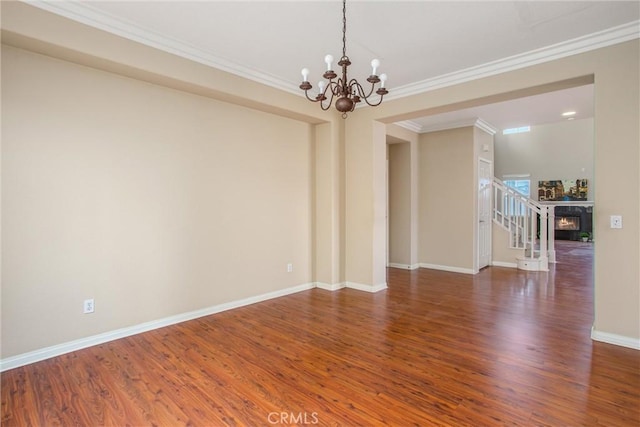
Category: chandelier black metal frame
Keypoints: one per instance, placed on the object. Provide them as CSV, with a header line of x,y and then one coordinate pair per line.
x,y
348,92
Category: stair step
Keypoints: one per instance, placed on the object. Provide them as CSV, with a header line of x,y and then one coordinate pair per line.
x,y
532,264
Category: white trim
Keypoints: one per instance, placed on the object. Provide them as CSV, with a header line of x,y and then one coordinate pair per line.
x,y
85,14
410,125
59,349
448,268
451,125
476,122
515,176
600,39
366,288
404,266
483,125
583,203
615,339
532,264
328,287
504,264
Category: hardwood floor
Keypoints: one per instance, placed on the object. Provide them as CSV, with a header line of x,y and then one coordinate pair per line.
x,y
504,347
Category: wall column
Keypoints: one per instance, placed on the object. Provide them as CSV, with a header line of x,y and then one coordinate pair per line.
x,y
328,177
414,260
366,200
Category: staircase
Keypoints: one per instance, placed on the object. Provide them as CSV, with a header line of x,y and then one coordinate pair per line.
x,y
521,217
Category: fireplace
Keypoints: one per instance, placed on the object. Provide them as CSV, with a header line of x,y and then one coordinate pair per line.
x,y
570,221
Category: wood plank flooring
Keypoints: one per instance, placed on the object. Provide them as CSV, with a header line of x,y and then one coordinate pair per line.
x,y
504,347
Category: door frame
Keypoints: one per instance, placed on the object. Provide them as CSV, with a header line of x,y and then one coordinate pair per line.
x,y
488,219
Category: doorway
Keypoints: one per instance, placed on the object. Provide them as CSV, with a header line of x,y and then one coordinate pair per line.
x,y
485,178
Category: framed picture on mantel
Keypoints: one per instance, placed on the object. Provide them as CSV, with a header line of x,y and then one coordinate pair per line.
x,y
562,190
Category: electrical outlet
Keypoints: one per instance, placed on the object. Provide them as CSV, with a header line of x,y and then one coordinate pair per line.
x,y
89,306
289,268
616,221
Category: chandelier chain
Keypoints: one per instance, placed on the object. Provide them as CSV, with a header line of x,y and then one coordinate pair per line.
x,y
344,28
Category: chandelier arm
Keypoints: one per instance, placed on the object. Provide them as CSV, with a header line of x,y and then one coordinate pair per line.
x,y
374,104
306,93
330,88
361,93
339,87
366,98
336,89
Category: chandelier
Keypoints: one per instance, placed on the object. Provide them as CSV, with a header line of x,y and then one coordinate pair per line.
x,y
348,92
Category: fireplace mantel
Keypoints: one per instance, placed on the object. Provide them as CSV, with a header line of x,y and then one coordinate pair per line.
x,y
581,203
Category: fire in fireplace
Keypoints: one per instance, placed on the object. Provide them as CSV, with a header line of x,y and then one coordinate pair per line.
x,y
569,223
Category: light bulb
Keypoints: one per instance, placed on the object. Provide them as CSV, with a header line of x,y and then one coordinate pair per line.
x,y
321,85
383,79
328,59
305,74
375,64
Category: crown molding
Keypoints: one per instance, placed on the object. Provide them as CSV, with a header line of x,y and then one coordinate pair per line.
x,y
410,125
476,122
485,126
82,12
608,37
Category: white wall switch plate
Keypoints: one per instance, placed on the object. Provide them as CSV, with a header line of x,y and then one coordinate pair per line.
x,y
616,221
88,306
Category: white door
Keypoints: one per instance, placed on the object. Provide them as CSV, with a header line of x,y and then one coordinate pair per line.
x,y
484,213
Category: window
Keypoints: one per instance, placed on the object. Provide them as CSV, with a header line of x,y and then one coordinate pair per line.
x,y
516,130
522,186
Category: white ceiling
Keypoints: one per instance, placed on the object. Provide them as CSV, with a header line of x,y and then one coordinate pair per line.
x,y
528,111
421,44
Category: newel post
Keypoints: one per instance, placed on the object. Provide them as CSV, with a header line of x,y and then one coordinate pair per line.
x,y
551,212
544,249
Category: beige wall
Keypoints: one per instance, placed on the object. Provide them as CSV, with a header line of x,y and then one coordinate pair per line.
x,y
615,70
446,199
400,203
152,201
552,151
501,254
408,190
365,202
617,174
329,205
430,163
177,184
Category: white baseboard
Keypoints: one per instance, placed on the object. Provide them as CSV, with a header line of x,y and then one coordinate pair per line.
x,y
351,285
615,339
404,266
57,350
448,268
504,264
328,287
366,288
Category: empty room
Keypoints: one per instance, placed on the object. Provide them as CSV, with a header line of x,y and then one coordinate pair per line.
x,y
353,213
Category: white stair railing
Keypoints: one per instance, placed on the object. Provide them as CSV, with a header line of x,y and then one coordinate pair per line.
x,y
521,215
